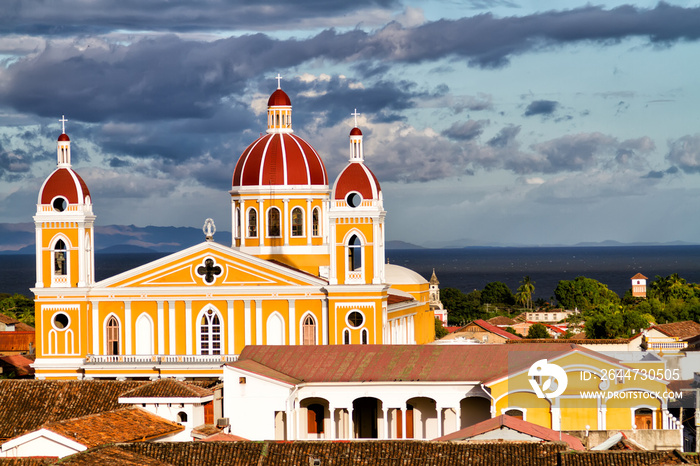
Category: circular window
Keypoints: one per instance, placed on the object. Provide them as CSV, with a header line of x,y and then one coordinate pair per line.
x,y
356,319
60,204
60,320
354,199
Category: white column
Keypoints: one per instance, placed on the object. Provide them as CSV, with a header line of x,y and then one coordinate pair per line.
x,y
441,427
248,323
385,413
258,322
261,223
95,327
331,410
171,327
286,226
351,425
188,327
161,328
458,417
230,340
127,327
333,273
39,259
297,411
556,414
82,269
403,422
309,227
324,312
292,322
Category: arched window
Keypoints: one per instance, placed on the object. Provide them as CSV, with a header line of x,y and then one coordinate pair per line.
x,y
517,413
275,329
364,335
238,222
252,223
144,335
182,416
315,418
273,222
112,336
60,258
315,220
354,253
210,333
643,418
346,337
297,222
309,330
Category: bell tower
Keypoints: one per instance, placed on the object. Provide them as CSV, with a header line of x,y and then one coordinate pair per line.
x,y
64,224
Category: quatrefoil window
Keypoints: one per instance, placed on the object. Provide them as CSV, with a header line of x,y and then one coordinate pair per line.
x,y
209,271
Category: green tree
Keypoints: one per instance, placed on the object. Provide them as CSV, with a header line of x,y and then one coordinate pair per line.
x,y
440,330
584,294
537,331
497,293
461,308
525,291
18,306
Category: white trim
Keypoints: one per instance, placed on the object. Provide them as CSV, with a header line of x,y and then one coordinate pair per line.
x,y
215,312
46,433
247,223
104,333
517,408
161,327
283,327
128,348
291,311
138,336
653,409
171,328
301,327
304,232
267,222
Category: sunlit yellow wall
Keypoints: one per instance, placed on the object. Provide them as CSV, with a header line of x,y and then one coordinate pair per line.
x,y
344,230
48,237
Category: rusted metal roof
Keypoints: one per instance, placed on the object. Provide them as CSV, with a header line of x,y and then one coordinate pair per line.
x,y
403,363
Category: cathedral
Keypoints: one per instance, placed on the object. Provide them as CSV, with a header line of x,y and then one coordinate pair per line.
x,y
305,266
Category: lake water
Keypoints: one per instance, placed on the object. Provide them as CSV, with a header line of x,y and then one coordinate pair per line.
x,y
464,269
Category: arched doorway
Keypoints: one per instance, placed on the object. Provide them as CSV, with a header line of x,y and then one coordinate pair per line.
x,y
316,420
474,410
366,414
425,418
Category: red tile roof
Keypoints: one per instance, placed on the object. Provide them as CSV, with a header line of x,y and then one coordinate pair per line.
x,y
8,320
499,422
168,388
395,299
500,320
639,276
28,404
122,425
366,363
16,341
684,329
111,455
493,329
18,364
221,437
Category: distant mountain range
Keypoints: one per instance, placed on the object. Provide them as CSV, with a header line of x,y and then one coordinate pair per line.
x,y
18,238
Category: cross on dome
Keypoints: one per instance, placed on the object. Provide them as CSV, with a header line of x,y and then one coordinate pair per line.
x,y
63,122
355,114
279,81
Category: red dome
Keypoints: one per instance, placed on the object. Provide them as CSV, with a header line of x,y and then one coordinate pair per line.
x,y
279,98
279,159
355,132
64,182
356,177
63,137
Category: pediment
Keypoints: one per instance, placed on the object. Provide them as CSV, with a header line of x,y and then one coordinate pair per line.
x,y
210,265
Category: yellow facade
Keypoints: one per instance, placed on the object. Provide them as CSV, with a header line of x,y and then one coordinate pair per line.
x,y
590,401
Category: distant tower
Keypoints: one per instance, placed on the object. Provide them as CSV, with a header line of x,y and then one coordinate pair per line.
x,y
435,303
639,286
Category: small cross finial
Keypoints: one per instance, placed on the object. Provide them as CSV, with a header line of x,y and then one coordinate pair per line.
x,y
355,114
63,122
279,81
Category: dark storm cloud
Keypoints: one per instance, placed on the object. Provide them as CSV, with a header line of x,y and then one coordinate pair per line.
x,y
657,174
505,137
684,153
541,107
67,17
465,131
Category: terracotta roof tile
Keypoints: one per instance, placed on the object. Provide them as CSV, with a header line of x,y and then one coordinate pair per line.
x,y
395,299
682,330
7,320
356,453
626,458
113,456
22,327
365,363
122,425
28,404
27,461
16,341
168,388
516,424
501,320
221,437
17,363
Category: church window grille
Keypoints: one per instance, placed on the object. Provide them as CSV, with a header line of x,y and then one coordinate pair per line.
x,y
252,223
346,337
297,222
112,336
316,230
356,319
60,258
210,333
354,253
309,330
273,222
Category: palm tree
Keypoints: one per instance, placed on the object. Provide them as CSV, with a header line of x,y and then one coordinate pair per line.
x,y
527,288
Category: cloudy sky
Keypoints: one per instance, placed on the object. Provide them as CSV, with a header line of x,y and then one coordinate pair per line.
x,y
486,121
